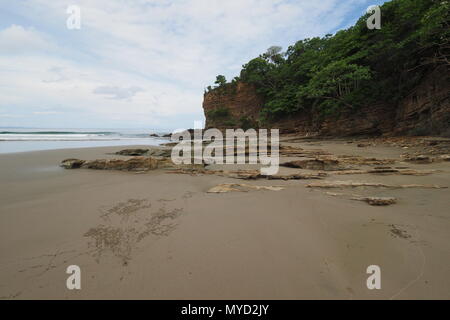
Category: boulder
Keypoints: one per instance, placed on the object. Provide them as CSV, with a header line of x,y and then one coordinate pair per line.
x,y
133,164
378,201
72,163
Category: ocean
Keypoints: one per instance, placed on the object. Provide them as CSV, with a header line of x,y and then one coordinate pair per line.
x,y
22,140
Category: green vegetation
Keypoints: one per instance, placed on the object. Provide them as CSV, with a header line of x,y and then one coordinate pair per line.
x,y
354,67
220,80
246,123
222,86
219,114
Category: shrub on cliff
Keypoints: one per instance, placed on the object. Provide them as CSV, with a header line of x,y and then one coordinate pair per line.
x,y
220,80
219,113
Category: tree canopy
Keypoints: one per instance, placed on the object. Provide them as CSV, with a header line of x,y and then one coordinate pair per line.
x,y
356,66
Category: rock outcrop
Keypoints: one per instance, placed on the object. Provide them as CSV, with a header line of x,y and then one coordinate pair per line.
x,y
425,110
72,163
314,164
133,164
239,104
132,152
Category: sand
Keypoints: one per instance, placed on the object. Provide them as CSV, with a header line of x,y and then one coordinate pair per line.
x,y
162,236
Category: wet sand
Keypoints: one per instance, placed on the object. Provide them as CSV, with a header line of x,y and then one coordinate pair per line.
x,y
162,236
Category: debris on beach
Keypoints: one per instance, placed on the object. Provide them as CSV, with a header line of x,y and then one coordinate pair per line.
x,y
238,187
254,175
385,171
353,184
357,160
248,174
377,201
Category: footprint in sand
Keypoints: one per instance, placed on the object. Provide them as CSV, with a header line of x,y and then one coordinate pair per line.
x,y
128,223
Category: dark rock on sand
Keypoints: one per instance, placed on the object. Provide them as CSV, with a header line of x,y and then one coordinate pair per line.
x,y
314,164
378,201
132,152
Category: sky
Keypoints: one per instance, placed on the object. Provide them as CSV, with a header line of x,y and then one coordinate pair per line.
x,y
141,63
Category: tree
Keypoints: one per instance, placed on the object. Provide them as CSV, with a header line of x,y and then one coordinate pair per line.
x,y
256,72
435,33
355,66
274,55
220,81
336,81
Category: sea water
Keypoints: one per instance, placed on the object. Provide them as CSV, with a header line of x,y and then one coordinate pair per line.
x,y
22,140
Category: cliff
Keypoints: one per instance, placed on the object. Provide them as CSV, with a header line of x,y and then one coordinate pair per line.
x,y
232,106
425,110
358,81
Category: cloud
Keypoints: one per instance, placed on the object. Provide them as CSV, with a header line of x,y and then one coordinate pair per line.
x,y
118,93
18,39
39,113
143,61
56,74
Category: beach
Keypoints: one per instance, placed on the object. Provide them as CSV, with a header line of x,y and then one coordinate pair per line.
x,y
161,235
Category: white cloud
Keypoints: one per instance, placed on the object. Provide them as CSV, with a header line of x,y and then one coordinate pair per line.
x,y
117,93
17,39
45,113
150,59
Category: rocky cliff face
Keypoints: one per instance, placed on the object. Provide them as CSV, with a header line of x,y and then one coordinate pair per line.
x,y
426,110
229,108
